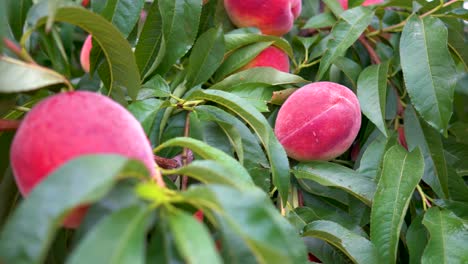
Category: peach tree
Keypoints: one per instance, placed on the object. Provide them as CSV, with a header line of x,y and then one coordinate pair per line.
x,y
179,159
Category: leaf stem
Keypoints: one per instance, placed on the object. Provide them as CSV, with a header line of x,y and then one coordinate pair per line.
x,y
22,109
426,202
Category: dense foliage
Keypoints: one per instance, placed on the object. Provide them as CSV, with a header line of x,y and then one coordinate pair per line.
x,y
398,195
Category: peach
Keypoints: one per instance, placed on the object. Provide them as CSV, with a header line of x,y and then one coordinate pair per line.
x,y
85,3
70,124
344,3
318,122
85,53
272,17
270,57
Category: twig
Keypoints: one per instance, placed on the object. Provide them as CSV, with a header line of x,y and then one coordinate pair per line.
x,y
9,125
373,55
166,163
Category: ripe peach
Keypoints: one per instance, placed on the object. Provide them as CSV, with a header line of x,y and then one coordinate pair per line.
x,y
270,57
272,17
344,3
318,122
68,125
85,53
85,3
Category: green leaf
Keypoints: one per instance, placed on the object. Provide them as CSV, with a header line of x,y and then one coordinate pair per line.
x,y
371,160
348,29
419,134
428,70
372,94
331,174
279,163
192,238
118,238
209,153
239,58
157,87
123,14
145,112
320,21
208,171
260,75
16,13
254,159
324,211
161,248
400,175
123,69
334,6
249,216
356,247
18,76
448,237
350,68
237,40
416,238
180,19
256,94
84,180
150,39
206,56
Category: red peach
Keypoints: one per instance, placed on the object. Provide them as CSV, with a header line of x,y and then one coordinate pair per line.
x,y
344,3
270,57
272,17
70,124
85,53
318,122
85,3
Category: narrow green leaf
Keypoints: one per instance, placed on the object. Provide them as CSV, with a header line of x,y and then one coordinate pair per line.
x,y
161,248
123,69
348,29
123,14
416,238
237,40
16,13
156,87
239,58
448,237
428,70
85,180
372,94
206,56
18,76
400,174
331,174
208,171
249,216
356,247
145,112
10,195
254,159
180,19
118,238
320,21
279,163
350,68
419,134
149,41
209,153
256,94
260,75
192,238
334,6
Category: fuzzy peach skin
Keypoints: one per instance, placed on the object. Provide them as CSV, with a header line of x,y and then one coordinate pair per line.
x,y
344,3
85,53
270,57
70,124
318,122
272,17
